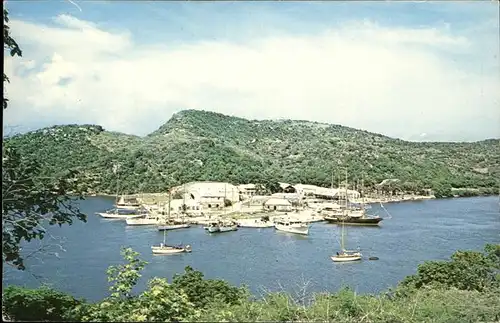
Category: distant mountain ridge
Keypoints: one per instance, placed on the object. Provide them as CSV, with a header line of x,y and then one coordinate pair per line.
x,y
199,145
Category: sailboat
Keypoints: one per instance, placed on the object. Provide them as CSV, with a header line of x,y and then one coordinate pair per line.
x,y
351,216
227,225
164,249
130,204
345,255
222,225
170,224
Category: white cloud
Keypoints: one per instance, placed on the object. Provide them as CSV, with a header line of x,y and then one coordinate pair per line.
x,y
396,81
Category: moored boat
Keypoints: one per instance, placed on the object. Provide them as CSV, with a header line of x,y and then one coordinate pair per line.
x,y
173,226
127,204
169,250
213,226
164,249
292,226
143,221
122,214
228,226
345,255
354,219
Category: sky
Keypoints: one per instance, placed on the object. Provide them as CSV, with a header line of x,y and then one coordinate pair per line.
x,y
420,71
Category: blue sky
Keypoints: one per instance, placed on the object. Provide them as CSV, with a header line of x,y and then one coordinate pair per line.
x,y
413,70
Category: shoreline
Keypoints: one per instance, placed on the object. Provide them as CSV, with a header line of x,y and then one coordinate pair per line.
x,y
367,200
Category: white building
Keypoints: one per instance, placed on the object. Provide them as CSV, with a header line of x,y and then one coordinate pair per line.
x,y
210,194
278,204
324,192
193,207
291,197
246,191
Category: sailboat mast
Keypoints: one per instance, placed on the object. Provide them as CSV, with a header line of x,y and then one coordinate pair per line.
x,y
346,188
342,243
169,198
164,237
362,193
184,206
115,170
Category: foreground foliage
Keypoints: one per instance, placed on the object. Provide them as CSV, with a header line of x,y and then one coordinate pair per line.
x,y
206,146
440,291
32,199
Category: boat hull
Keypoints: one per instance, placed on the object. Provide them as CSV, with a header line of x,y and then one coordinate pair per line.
x,y
173,227
213,229
227,229
256,225
141,221
354,220
304,230
346,258
121,216
127,207
170,250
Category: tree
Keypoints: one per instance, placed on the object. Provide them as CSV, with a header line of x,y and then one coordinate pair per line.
x,y
11,45
30,200
159,302
467,270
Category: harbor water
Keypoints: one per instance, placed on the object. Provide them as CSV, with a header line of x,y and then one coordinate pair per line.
x,y
75,258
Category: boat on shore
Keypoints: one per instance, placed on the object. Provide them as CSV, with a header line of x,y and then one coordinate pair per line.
x,y
292,226
164,249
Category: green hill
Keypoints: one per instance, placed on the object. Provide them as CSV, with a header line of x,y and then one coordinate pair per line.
x,y
198,145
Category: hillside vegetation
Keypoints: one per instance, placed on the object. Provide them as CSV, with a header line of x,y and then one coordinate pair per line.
x,y
200,146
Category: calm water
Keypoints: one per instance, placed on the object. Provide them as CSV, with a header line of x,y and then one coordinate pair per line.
x,y
264,259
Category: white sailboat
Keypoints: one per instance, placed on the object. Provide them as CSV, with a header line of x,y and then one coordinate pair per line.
x,y
164,249
345,255
129,205
123,214
169,224
292,226
148,220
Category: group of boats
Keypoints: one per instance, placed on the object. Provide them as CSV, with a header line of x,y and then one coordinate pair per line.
x,y
136,214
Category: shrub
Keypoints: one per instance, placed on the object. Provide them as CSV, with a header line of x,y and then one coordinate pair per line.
x,y
41,304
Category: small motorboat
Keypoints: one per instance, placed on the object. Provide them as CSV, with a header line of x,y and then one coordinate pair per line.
x,y
213,226
292,226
